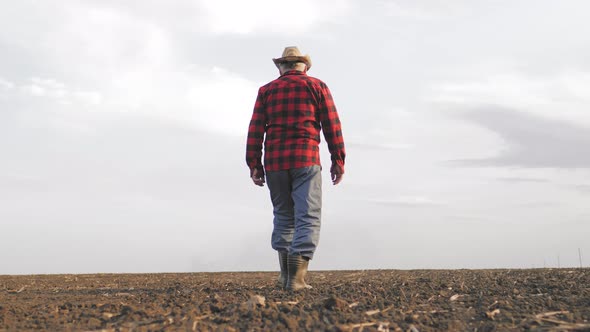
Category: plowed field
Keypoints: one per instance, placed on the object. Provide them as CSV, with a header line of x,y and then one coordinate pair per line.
x,y
381,300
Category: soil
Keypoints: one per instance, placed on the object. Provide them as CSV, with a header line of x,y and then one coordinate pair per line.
x,y
379,300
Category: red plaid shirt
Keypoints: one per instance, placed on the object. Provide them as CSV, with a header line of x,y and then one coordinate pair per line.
x,y
292,110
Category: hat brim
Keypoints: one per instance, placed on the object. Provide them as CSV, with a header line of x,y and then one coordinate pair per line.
x,y
305,59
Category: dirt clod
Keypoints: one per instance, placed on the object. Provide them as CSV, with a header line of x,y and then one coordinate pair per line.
x,y
334,303
256,301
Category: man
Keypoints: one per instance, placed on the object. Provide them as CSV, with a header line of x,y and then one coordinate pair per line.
x,y
291,111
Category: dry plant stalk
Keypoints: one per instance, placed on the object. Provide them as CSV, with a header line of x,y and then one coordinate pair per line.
x,y
492,314
376,311
551,313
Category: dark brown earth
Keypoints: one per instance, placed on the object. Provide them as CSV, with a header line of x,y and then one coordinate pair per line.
x,y
385,300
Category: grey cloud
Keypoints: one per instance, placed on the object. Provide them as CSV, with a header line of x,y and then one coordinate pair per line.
x,y
378,147
411,202
6,85
522,180
531,141
584,188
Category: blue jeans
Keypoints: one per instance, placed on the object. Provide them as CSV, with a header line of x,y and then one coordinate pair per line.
x,y
296,196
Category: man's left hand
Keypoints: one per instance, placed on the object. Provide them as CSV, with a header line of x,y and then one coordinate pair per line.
x,y
257,177
336,172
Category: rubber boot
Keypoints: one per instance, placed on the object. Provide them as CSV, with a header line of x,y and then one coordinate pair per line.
x,y
282,282
297,268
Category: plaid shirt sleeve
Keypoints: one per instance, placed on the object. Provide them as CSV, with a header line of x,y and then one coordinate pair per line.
x,y
256,132
331,127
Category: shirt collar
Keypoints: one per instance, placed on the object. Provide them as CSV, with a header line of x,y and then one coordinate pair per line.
x,y
293,72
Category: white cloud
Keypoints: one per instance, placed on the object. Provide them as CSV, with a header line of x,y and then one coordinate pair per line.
x,y
406,201
564,96
6,85
212,99
267,16
49,83
134,63
58,91
418,11
35,90
222,101
140,66
89,97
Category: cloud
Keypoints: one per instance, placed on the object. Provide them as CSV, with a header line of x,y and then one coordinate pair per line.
x,y
212,99
269,17
415,11
6,85
378,146
522,180
583,188
406,201
50,89
132,60
567,91
532,141
222,101
58,91
542,120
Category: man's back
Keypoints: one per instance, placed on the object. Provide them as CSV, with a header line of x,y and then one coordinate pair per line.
x,y
291,107
292,110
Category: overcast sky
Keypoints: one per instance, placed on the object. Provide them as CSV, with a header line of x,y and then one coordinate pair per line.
x,y
123,128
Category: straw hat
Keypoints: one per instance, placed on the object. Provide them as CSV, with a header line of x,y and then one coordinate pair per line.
x,y
292,54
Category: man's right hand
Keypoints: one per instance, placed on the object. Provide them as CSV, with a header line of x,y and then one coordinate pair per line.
x,y
336,171
257,177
